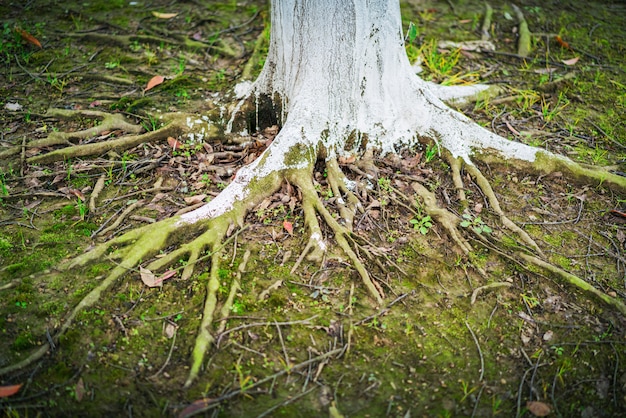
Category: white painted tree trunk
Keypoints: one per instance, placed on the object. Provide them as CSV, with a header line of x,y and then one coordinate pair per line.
x,y
341,71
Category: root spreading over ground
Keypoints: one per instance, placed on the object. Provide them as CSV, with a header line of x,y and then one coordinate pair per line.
x,y
334,125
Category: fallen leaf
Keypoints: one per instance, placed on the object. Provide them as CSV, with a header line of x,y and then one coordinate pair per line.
x,y
6,391
167,275
192,200
147,277
288,227
154,81
174,143
28,37
164,15
80,389
545,70
196,407
349,159
170,330
570,61
13,107
78,194
538,409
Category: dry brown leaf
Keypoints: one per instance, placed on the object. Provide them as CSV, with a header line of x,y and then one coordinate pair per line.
x,y
148,277
80,389
78,194
343,160
170,330
192,200
164,15
28,37
538,409
154,81
174,143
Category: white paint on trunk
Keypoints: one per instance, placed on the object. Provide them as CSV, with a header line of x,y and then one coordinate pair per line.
x,y
340,68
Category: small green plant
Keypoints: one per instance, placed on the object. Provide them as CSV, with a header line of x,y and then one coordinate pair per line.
x,y
558,350
4,191
431,152
476,223
422,223
111,65
57,83
467,390
530,301
181,66
441,65
82,208
152,124
385,184
549,111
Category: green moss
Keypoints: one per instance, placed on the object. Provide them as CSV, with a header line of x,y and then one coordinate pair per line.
x,y
23,341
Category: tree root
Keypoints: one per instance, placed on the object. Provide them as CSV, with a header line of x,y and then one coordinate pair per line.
x,y
575,281
175,125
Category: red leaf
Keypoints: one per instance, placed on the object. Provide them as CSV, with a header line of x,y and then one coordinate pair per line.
x,y
154,81
167,275
174,143
6,391
288,227
28,37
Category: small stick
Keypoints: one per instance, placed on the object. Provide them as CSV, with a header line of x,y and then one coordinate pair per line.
x,y
487,287
282,343
97,189
484,30
480,353
523,43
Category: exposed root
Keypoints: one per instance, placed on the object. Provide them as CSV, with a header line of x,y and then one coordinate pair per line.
x,y
310,198
575,281
455,166
175,125
485,186
446,219
346,200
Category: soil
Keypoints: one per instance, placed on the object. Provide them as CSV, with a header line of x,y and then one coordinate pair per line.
x,y
449,341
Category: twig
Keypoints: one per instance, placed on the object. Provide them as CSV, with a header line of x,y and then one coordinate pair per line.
x,y
285,402
484,30
386,309
96,192
169,356
487,287
259,324
208,403
523,43
480,353
282,343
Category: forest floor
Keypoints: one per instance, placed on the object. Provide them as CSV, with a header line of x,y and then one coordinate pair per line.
x,y
448,342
